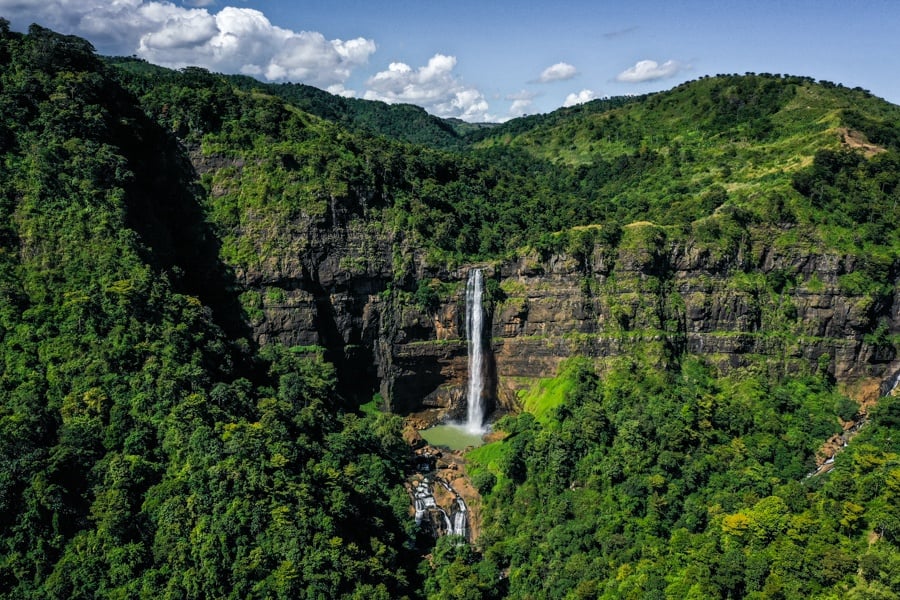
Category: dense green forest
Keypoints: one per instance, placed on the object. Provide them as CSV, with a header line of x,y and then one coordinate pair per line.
x,y
684,485
150,447
145,453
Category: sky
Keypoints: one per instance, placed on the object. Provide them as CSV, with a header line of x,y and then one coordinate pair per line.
x,y
492,60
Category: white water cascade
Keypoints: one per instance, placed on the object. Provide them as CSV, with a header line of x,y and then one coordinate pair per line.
x,y
474,318
459,518
454,518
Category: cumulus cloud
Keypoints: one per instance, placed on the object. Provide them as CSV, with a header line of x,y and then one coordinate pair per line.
x,y
338,89
231,40
579,98
521,103
648,70
244,40
433,86
180,30
112,26
558,72
236,39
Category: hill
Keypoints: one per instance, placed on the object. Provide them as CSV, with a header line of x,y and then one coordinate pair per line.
x,y
144,450
400,121
203,278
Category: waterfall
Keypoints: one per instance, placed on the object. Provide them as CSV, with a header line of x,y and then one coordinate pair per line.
x,y
474,318
454,518
895,384
448,526
459,518
422,500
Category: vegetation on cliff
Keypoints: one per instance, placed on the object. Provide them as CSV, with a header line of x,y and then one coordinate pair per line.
x,y
150,447
712,160
143,451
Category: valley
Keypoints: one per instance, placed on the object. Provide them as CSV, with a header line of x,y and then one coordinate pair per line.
x,y
229,307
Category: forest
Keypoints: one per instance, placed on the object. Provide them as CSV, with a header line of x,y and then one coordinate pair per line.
x,y
153,445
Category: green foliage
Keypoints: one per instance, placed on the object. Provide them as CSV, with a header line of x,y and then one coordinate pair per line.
x,y
853,191
142,451
877,130
548,395
428,296
147,449
678,484
712,159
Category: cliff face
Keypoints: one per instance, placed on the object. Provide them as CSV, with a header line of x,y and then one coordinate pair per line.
x,y
347,287
762,305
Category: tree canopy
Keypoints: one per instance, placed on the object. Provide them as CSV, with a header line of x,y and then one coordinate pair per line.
x,y
150,447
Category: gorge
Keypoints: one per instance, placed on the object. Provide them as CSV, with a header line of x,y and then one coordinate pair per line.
x,y
666,297
226,307
739,279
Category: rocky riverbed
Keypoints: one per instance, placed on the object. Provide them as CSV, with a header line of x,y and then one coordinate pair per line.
x,y
444,473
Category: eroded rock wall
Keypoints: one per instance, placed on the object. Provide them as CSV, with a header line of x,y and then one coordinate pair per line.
x,y
351,290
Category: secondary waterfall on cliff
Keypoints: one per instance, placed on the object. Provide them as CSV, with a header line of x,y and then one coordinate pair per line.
x,y
474,318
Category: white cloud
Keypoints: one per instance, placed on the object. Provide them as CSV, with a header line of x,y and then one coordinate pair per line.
x,y
231,40
579,98
559,72
433,86
520,107
114,26
236,39
521,103
338,89
243,40
648,70
179,30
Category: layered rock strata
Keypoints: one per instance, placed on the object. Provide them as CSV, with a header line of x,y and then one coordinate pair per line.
x,y
353,293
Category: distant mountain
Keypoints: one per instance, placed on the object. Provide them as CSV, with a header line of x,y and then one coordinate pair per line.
x,y
399,121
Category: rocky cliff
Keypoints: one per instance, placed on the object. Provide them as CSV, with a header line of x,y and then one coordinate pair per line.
x,y
339,283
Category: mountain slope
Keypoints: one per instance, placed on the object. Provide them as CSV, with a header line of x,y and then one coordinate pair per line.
x,y
144,451
403,122
747,136
202,277
671,158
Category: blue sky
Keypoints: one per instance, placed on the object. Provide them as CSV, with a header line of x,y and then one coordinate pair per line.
x,y
489,61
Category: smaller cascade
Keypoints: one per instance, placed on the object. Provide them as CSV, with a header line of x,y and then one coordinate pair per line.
x,y
456,526
895,385
423,500
474,325
889,387
443,520
448,526
459,518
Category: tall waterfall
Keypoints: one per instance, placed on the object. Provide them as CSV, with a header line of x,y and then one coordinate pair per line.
x,y
474,318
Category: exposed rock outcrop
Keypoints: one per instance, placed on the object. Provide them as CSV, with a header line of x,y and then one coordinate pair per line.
x,y
340,282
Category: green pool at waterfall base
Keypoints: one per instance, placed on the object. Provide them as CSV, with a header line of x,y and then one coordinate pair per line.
x,y
454,437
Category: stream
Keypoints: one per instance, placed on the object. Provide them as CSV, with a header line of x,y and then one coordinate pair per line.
x,y
454,522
